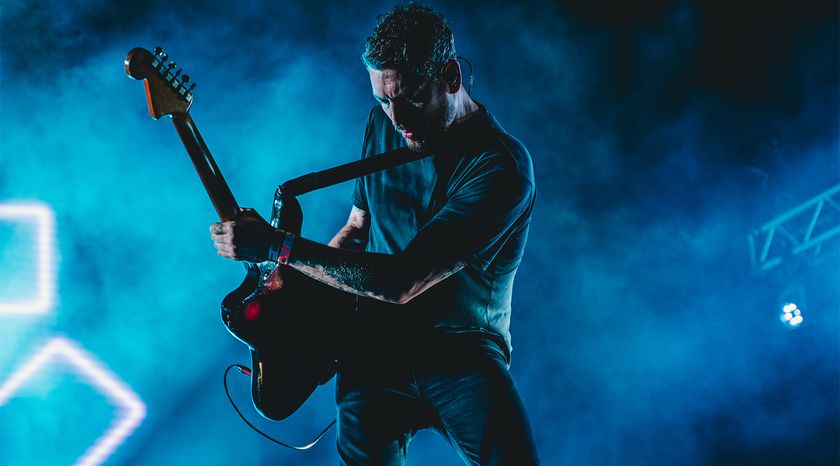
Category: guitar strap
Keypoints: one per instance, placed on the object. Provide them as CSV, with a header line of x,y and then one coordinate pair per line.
x,y
348,171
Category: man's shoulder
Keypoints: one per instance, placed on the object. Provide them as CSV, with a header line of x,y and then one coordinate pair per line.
x,y
516,153
503,150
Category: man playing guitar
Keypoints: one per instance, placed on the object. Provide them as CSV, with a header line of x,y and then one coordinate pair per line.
x,y
429,345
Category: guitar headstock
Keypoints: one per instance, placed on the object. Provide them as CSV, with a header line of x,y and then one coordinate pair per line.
x,y
167,90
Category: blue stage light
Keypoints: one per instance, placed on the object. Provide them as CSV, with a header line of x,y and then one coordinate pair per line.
x,y
131,411
43,217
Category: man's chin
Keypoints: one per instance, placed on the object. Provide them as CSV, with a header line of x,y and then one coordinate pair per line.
x,y
416,145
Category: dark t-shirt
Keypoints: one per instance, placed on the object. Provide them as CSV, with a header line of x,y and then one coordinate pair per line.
x,y
471,201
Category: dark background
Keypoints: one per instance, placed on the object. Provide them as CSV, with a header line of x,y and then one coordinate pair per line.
x,y
662,133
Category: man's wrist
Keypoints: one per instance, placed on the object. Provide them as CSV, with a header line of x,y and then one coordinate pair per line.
x,y
277,237
281,246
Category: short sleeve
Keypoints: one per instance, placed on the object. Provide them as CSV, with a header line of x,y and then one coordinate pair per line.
x,y
359,197
359,194
478,218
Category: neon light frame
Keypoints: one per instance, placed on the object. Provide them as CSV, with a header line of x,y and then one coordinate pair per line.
x,y
44,219
132,408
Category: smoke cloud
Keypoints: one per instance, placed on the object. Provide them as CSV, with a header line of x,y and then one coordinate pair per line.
x,y
661,135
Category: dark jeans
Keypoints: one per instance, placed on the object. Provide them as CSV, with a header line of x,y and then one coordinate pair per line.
x,y
460,387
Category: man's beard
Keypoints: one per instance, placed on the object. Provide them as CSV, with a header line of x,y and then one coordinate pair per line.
x,y
418,145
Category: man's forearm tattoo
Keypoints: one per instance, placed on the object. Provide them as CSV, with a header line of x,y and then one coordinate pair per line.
x,y
371,275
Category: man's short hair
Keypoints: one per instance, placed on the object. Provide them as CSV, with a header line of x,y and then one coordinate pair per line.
x,y
410,39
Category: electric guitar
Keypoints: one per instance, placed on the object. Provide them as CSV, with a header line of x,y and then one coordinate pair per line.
x,y
289,322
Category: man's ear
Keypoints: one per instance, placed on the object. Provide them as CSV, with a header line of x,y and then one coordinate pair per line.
x,y
452,76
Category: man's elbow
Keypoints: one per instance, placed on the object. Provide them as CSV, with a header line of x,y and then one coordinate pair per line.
x,y
401,291
405,298
401,298
412,290
412,285
398,296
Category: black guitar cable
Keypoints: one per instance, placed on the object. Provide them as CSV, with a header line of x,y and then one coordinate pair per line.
x,y
247,371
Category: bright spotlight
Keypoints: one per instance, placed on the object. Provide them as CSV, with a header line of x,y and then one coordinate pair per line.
x,y
791,315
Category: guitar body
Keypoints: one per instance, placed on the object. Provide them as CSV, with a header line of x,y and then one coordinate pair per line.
x,y
289,322
290,334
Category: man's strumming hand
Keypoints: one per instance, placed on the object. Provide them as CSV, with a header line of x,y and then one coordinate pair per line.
x,y
248,237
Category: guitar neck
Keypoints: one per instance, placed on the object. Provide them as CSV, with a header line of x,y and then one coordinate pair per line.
x,y
212,179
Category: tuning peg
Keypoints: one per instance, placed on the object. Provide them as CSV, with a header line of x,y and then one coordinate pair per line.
x,y
191,87
164,57
158,50
185,78
177,73
171,65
